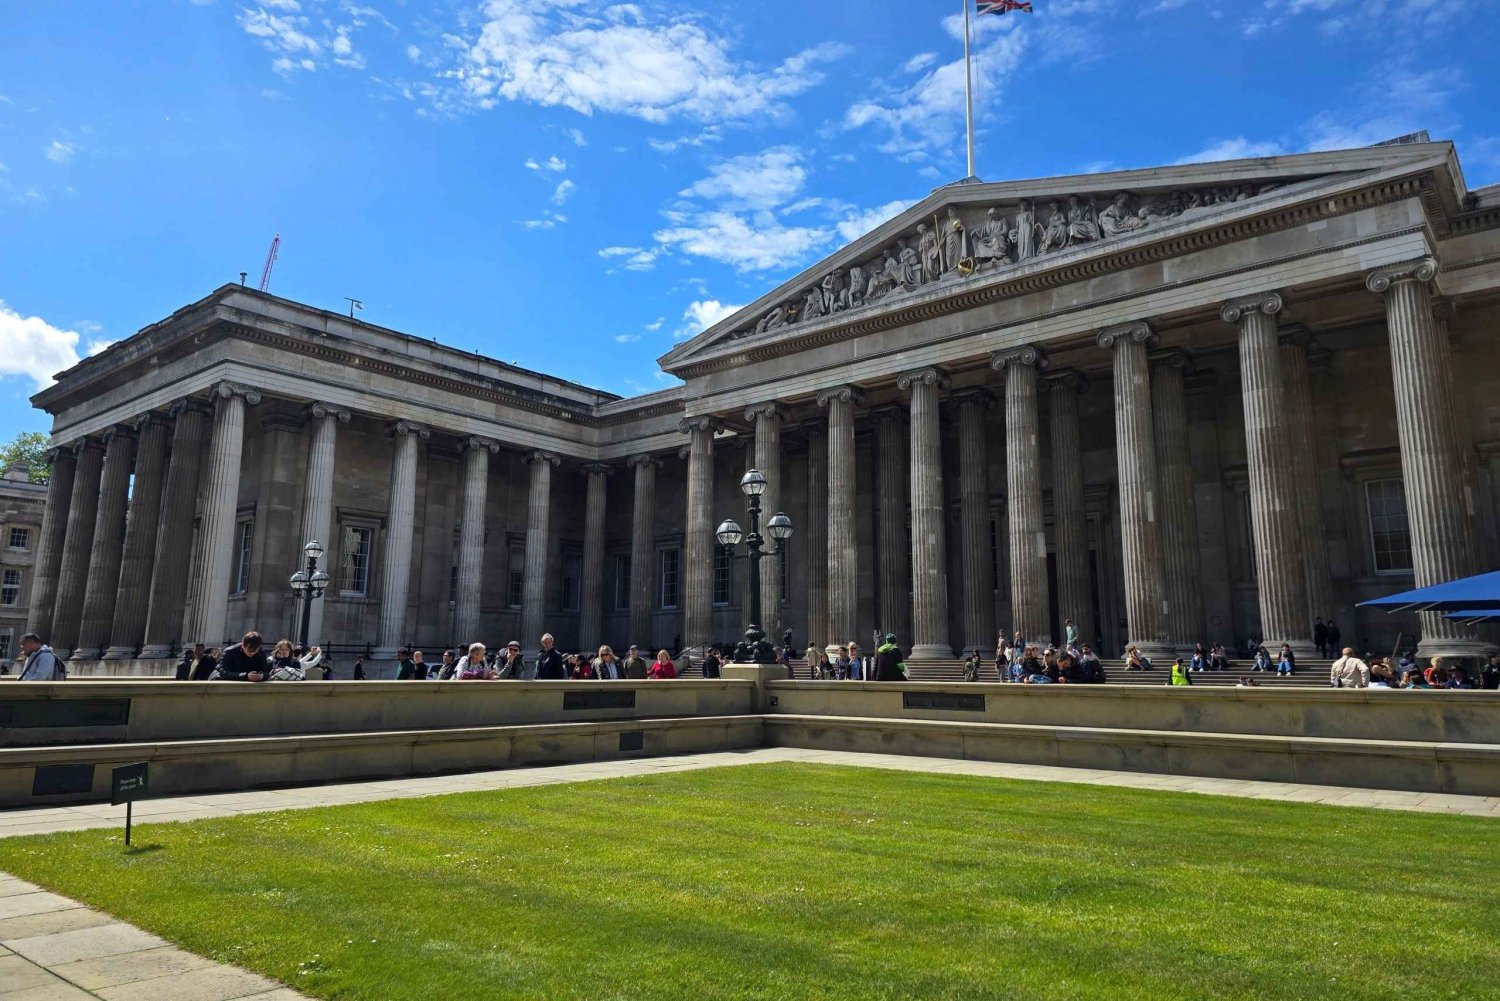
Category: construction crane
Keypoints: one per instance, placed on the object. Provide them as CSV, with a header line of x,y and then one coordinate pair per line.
x,y
265,276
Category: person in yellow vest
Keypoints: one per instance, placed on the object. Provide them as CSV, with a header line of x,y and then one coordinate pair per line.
x,y
1180,674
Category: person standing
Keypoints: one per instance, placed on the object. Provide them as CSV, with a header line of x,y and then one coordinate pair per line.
x,y
40,663
712,663
1320,636
971,666
606,668
1070,635
404,665
449,666
473,666
420,670
663,669
856,663
635,664
512,667
245,662
1489,675
549,663
888,662
1333,635
196,665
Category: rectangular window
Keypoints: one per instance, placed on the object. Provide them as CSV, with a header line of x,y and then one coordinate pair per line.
x,y
622,582
246,538
784,575
723,575
355,545
10,592
5,635
1390,539
671,573
572,598
517,577
20,538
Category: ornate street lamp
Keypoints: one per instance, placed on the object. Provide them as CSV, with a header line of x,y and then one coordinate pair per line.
x,y
755,649
308,584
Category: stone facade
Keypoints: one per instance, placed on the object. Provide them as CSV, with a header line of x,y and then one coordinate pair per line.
x,y
22,504
1199,403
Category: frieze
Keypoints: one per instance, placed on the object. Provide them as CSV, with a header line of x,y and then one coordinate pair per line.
x,y
956,248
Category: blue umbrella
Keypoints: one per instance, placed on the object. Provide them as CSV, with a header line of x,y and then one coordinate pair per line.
x,y
1474,616
1479,593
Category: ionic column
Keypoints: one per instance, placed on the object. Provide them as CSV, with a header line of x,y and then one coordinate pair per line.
x,y
109,539
174,533
538,539
768,418
1030,597
591,587
128,631
1273,491
929,546
1135,451
1074,595
78,546
477,452
816,536
1444,542
642,547
974,520
843,549
209,594
395,577
1179,523
317,497
1299,422
50,548
698,548
892,548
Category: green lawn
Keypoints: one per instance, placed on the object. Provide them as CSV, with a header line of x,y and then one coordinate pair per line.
x,y
813,882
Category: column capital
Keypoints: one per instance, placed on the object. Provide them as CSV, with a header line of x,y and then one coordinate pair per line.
x,y
190,404
1173,358
974,396
1423,269
57,452
78,445
705,422
149,419
929,375
888,412
1138,331
118,431
644,459
321,409
598,467
841,394
1296,335
541,456
1025,355
772,409
225,390
1443,308
400,427
1234,310
476,442
1067,378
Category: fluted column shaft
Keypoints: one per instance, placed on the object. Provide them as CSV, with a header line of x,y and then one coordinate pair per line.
x,y
892,548
209,595
1179,522
1135,452
395,577
102,590
1299,420
78,546
1444,540
476,481
50,547
174,533
816,536
698,547
768,418
317,496
591,586
843,550
1074,594
974,521
642,548
538,543
929,546
1030,596
1274,517
128,631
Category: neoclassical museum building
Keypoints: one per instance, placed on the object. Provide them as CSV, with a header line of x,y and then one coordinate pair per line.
x,y
1191,403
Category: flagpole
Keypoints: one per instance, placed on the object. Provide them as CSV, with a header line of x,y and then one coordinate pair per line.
x,y
968,92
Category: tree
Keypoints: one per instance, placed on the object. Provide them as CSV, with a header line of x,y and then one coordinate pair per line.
x,y
29,448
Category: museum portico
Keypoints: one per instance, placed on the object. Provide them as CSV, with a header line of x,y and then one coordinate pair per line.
x,y
1196,403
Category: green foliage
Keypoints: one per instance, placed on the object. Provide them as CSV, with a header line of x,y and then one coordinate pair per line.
x,y
812,882
28,448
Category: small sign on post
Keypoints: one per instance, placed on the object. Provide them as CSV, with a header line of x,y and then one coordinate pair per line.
x,y
127,784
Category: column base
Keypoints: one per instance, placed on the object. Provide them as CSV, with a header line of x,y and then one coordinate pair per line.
x,y
931,651
1303,649
1459,649
86,653
1159,652
120,653
157,651
388,653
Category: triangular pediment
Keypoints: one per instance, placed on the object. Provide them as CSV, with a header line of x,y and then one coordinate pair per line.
x,y
968,232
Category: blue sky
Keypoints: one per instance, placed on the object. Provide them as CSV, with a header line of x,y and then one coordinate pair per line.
x,y
573,186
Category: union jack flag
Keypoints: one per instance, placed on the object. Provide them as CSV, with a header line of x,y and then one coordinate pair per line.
x,y
1002,6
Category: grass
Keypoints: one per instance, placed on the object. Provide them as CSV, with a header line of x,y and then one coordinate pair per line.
x,y
813,882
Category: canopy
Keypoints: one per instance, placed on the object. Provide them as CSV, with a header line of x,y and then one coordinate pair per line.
x,y
1467,595
1474,616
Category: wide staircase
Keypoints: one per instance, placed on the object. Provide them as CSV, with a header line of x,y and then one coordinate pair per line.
x,y
1309,672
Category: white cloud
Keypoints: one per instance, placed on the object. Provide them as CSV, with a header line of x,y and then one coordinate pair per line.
x,y
757,243
655,325
920,61
413,54
702,314
564,188
32,347
61,152
854,226
756,180
1237,148
627,338
548,220
633,259
579,139
556,165
623,60
279,34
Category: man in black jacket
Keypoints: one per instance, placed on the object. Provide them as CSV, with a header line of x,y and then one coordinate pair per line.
x,y
549,663
888,666
196,664
246,662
